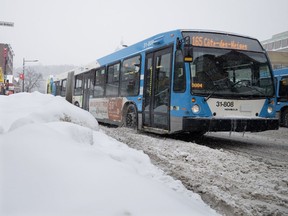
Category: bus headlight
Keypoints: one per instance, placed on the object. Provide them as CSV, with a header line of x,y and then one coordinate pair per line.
x,y
270,109
195,108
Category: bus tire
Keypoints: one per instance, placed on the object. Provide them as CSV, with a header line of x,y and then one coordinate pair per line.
x,y
196,135
130,117
284,118
77,104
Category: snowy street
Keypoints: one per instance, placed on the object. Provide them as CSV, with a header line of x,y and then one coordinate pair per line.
x,y
143,108
235,174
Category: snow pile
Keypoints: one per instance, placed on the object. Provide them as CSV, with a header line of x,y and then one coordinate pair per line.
x,y
56,161
25,108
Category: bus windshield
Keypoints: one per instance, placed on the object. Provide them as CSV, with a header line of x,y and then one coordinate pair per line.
x,y
228,73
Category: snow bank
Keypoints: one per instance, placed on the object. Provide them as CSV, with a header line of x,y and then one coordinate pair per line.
x,y
55,161
28,108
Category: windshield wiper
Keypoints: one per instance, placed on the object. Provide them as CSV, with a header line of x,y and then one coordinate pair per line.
x,y
218,84
245,84
254,88
214,89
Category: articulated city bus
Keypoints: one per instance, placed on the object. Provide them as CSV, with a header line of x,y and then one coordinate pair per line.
x,y
180,81
281,79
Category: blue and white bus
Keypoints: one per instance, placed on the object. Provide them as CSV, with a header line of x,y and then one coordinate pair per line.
x,y
182,81
281,79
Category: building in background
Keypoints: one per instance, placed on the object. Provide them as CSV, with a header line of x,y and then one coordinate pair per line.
x,y
277,48
6,59
6,68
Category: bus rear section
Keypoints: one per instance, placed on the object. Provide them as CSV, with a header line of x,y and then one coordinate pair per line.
x,y
281,80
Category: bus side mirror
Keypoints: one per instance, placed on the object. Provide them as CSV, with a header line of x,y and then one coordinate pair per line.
x,y
188,53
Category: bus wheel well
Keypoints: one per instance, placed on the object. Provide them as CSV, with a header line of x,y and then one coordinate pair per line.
x,y
284,117
129,115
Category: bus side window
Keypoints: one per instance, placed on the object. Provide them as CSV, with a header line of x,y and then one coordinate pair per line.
x,y
78,85
57,88
112,84
283,89
130,74
63,88
179,73
99,82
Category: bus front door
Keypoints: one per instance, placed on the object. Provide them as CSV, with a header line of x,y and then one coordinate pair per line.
x,y
157,89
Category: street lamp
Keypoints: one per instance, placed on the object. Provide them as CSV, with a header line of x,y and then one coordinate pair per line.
x,y
23,75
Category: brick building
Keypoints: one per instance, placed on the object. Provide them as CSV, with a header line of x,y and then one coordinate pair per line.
x,y
6,59
6,64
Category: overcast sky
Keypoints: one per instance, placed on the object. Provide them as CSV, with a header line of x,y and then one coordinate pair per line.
x,y
80,31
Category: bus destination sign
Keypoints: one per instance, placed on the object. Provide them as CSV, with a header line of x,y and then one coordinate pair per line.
x,y
223,41
211,42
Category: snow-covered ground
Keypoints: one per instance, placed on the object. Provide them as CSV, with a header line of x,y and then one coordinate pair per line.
x,y
54,161
235,174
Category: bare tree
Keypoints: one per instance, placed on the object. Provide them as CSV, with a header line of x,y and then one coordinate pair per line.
x,y
32,80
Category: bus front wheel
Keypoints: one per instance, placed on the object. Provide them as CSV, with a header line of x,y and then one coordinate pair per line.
x,y
130,117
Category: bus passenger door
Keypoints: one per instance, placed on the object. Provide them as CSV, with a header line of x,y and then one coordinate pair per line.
x,y
157,89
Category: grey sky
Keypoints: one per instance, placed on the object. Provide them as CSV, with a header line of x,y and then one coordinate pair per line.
x,y
80,31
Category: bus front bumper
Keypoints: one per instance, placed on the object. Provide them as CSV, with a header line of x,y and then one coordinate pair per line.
x,y
235,124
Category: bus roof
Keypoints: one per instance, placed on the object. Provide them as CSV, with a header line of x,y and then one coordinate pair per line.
x,y
147,44
156,40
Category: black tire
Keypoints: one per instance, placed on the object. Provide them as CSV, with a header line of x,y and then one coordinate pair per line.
x,y
284,118
196,135
77,104
130,117
189,136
